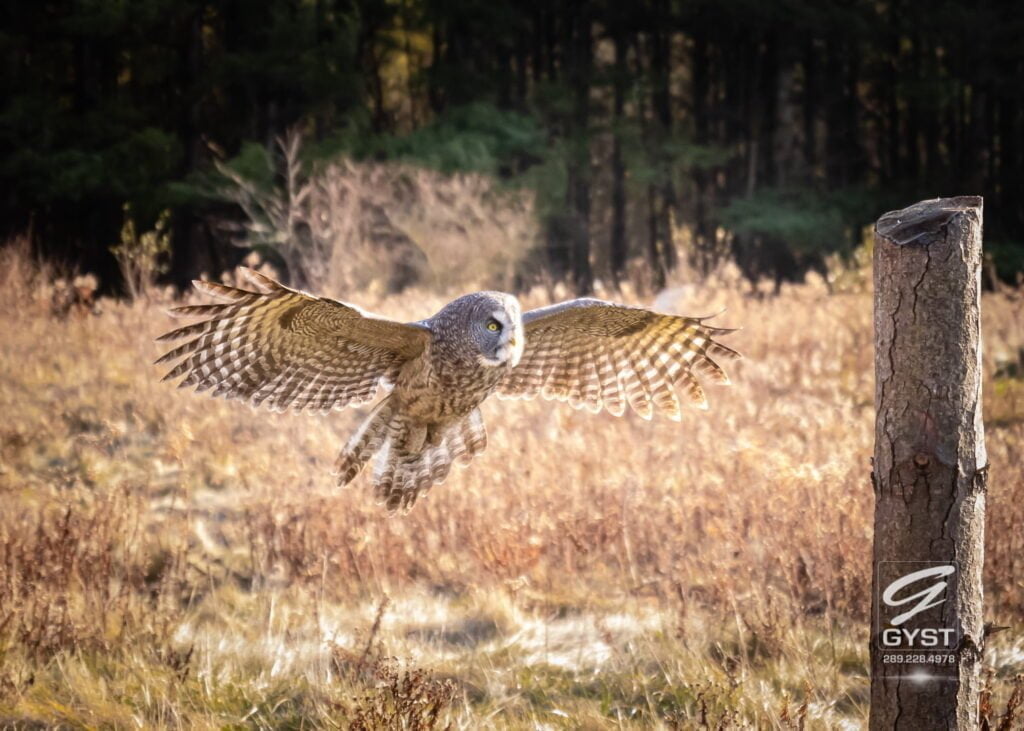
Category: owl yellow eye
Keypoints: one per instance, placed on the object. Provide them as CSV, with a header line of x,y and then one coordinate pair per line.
x,y
493,326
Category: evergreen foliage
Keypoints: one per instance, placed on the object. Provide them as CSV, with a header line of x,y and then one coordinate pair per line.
x,y
800,122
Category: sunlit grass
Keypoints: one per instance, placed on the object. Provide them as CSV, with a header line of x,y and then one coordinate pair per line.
x,y
171,560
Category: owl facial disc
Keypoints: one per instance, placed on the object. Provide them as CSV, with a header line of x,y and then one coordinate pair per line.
x,y
508,348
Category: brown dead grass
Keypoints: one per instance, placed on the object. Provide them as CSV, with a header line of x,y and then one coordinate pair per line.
x,y
170,560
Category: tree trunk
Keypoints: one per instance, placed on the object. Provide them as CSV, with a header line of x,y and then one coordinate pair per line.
x,y
889,82
914,111
522,70
810,101
617,244
836,171
659,277
929,467
187,259
661,102
768,68
579,52
704,240
1009,168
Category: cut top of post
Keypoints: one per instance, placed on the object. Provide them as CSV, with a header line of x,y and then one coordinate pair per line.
x,y
922,223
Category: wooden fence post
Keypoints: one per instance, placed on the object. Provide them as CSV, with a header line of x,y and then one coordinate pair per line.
x,y
929,467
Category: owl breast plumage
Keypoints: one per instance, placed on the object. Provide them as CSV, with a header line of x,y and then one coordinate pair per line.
x,y
286,349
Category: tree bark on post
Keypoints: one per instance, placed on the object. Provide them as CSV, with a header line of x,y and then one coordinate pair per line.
x,y
929,467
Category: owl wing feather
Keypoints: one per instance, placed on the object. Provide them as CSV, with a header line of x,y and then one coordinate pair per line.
x,y
597,354
288,349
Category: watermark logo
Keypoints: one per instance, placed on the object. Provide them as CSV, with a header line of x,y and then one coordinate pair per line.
x,y
911,627
926,599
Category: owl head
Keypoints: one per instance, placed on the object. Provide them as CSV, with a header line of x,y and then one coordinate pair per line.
x,y
490,326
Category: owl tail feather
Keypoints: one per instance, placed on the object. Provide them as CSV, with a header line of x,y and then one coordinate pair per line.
x,y
410,457
367,440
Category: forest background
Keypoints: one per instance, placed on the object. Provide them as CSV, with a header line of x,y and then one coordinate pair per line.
x,y
646,135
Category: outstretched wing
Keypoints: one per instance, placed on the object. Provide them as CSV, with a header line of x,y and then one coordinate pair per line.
x,y
597,354
287,348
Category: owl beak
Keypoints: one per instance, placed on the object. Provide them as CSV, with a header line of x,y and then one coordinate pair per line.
x,y
515,344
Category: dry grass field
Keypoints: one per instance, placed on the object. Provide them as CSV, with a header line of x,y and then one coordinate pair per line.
x,y
168,560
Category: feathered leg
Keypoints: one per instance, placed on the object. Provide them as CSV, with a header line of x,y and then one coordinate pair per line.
x,y
412,458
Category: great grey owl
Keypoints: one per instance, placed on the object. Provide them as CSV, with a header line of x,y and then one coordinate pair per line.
x,y
289,349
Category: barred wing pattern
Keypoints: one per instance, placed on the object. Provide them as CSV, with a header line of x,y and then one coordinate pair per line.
x,y
597,354
288,349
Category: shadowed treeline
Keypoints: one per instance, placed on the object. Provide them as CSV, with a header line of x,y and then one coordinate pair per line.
x,y
650,133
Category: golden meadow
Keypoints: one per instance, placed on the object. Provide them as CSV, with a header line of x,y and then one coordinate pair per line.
x,y
169,560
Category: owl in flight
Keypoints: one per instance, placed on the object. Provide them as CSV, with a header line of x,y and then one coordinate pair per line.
x,y
289,349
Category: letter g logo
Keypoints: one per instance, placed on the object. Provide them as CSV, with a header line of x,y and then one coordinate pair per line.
x,y
926,598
